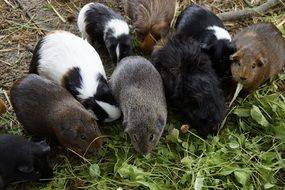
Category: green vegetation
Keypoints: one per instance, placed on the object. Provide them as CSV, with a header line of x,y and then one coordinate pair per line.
x,y
248,153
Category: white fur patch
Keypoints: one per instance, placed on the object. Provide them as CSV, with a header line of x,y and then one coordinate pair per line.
x,y
118,27
220,33
62,51
118,52
113,111
81,20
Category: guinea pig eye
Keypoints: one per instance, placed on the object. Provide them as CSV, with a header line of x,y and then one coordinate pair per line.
x,y
135,137
151,137
83,137
253,66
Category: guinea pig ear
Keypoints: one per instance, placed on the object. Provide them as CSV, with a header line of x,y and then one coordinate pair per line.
x,y
40,148
262,61
160,122
125,124
26,168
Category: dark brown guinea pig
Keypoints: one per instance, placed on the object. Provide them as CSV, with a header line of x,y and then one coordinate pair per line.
x,y
260,55
45,109
151,18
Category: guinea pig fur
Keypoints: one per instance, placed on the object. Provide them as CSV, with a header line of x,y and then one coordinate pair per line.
x,y
191,85
3,108
201,24
260,55
98,22
138,88
22,160
45,109
151,19
74,64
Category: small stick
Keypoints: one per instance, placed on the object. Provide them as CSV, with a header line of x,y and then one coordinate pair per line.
x,y
7,97
83,158
6,62
9,4
248,13
57,13
281,24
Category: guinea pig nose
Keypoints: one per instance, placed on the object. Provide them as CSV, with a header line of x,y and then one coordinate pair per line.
x,y
243,78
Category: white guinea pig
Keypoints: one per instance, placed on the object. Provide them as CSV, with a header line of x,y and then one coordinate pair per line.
x,y
73,63
98,22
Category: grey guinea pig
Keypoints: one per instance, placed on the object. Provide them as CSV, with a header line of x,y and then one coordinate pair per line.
x,y
22,160
98,22
138,88
45,109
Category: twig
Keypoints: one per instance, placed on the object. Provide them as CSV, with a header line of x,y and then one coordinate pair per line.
x,y
7,98
9,4
86,160
57,13
281,23
248,13
5,62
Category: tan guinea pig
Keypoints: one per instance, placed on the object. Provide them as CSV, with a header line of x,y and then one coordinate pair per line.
x,y
45,109
151,19
3,108
260,54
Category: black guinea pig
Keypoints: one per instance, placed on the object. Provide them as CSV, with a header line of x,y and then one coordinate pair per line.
x,y
98,22
191,84
204,26
22,160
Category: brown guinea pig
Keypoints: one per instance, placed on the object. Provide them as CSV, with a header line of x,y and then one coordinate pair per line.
x,y
152,19
3,108
47,110
260,54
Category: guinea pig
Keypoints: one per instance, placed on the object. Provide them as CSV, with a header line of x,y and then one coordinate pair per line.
x,y
152,19
3,108
138,88
74,64
46,110
98,22
260,55
204,26
191,85
22,160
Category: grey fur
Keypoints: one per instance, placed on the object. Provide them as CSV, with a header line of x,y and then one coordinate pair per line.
x,y
138,88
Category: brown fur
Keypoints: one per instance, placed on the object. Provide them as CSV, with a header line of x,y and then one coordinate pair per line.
x,y
260,55
150,17
2,107
47,110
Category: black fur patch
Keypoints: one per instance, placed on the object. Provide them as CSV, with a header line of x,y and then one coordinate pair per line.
x,y
191,85
192,22
36,57
125,46
96,19
104,92
22,160
72,80
99,112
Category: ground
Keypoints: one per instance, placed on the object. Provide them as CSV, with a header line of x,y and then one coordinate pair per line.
x,y
247,154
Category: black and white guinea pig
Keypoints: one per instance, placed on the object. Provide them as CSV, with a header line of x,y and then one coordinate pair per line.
x,y
191,84
203,25
23,160
73,63
98,22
